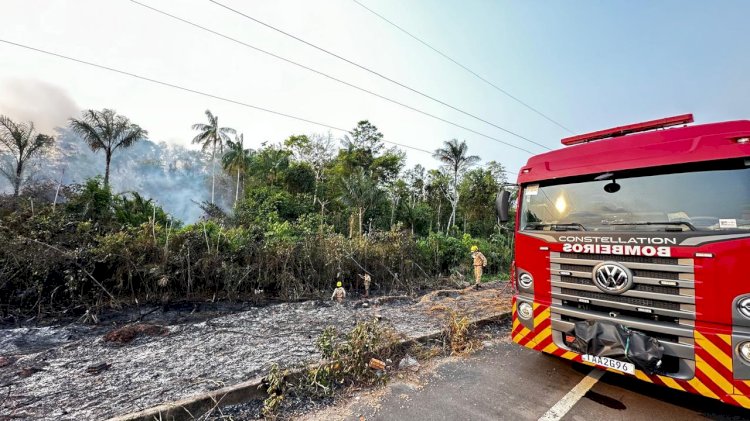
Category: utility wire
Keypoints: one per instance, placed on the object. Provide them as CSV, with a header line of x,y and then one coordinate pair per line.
x,y
194,91
203,28
506,93
380,75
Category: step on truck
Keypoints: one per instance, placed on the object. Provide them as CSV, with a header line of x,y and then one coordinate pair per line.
x,y
632,253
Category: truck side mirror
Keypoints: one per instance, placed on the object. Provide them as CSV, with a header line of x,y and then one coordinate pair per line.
x,y
502,204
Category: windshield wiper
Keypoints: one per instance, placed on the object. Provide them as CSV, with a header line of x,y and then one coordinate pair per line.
x,y
557,227
678,223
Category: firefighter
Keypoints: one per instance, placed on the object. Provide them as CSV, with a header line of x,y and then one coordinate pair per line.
x,y
479,262
367,281
339,293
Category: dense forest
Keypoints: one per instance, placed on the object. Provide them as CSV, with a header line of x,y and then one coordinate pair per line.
x,y
285,221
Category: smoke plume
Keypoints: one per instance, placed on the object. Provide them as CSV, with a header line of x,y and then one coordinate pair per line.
x,y
47,105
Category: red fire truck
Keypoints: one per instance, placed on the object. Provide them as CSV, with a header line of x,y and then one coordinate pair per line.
x,y
646,227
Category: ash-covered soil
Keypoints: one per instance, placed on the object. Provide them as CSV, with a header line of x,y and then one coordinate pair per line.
x,y
72,373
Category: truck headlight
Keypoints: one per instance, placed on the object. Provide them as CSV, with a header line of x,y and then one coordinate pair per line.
x,y
525,281
744,350
526,311
744,307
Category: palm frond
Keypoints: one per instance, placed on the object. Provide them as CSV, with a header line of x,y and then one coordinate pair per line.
x,y
90,134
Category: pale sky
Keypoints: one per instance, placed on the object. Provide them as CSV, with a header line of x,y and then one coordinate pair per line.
x,y
588,65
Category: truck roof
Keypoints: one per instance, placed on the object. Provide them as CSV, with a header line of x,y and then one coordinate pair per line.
x,y
697,143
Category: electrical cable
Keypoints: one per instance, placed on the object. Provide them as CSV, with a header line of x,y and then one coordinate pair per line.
x,y
197,92
194,91
380,75
506,93
326,75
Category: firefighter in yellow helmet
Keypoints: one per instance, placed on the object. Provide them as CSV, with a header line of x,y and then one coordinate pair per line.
x,y
479,263
339,293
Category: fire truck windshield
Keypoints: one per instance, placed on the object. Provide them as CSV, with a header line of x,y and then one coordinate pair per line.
x,y
709,197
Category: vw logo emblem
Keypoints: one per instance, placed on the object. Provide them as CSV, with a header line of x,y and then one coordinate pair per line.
x,y
612,278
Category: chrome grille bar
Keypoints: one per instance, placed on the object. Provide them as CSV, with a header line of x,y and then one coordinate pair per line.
x,y
630,265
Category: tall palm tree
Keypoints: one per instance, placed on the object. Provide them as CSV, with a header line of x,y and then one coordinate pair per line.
x,y
212,136
21,142
454,157
107,131
237,159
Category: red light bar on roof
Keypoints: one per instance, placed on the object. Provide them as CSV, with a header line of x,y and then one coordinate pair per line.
x,y
630,128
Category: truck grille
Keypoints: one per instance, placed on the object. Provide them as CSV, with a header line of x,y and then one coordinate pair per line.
x,y
621,299
661,302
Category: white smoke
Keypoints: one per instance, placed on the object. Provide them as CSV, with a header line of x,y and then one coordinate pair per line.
x,y
175,177
48,106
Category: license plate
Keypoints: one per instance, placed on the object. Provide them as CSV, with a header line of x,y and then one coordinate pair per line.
x,y
610,363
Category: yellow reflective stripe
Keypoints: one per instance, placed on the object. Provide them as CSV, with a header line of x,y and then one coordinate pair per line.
x,y
515,323
709,346
641,375
521,334
725,338
542,336
550,348
701,388
713,375
524,331
742,400
671,383
540,318
569,355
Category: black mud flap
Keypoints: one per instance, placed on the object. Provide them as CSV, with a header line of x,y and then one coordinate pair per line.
x,y
606,339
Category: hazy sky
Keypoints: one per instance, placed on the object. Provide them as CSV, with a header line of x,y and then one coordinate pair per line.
x,y
588,65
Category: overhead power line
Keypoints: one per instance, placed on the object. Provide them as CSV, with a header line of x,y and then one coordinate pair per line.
x,y
194,91
378,74
326,75
506,93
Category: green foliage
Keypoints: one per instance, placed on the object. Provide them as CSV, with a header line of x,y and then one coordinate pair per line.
x,y
92,201
478,189
267,204
443,251
137,210
306,215
276,387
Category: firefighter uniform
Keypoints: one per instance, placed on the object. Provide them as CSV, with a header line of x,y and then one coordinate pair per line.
x,y
339,293
367,281
479,262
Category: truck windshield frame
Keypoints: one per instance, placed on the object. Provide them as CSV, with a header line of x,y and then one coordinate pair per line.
x,y
709,196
